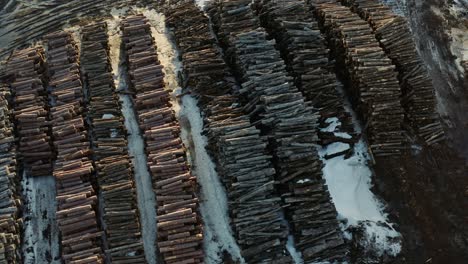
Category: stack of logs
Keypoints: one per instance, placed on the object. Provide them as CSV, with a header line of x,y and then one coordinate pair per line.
x,y
395,37
306,55
374,85
208,77
76,199
235,144
110,152
180,232
10,223
30,110
291,125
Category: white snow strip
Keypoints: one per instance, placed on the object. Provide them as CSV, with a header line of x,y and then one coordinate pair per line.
x,y
218,236
40,238
349,183
213,206
296,255
144,187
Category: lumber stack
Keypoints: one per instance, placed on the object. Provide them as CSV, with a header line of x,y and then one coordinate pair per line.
x,y
30,110
239,151
291,125
110,152
374,84
307,58
180,231
76,199
395,37
10,221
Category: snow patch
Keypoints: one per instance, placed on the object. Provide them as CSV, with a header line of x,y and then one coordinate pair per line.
x,y
213,205
107,116
349,183
41,234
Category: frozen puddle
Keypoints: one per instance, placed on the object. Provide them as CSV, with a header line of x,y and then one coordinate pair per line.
x,y
40,238
349,182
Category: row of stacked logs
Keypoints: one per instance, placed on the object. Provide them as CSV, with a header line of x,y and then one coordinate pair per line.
x,y
80,234
394,35
180,231
307,57
291,125
10,223
110,152
30,110
235,144
374,85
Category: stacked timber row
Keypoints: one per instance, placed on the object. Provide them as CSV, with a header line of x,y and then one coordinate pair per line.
x,y
110,151
291,125
394,35
306,55
10,222
374,85
180,231
235,144
30,111
207,77
76,199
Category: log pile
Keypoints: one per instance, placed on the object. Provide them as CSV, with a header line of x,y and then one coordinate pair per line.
x,y
291,124
374,84
30,110
76,199
10,222
395,37
248,175
180,231
307,58
110,151
239,151
207,77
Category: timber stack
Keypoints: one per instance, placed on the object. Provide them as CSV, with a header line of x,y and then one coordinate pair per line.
x,y
394,35
374,85
208,77
239,151
291,125
307,58
76,199
10,221
30,110
110,152
180,231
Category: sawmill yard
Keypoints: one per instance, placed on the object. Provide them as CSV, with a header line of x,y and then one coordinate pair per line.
x,y
233,131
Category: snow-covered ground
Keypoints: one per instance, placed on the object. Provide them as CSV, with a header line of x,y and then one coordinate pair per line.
x,y
41,242
349,182
144,186
459,34
213,202
398,6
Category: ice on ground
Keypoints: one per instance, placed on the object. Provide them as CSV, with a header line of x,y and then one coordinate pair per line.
x,y
349,183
